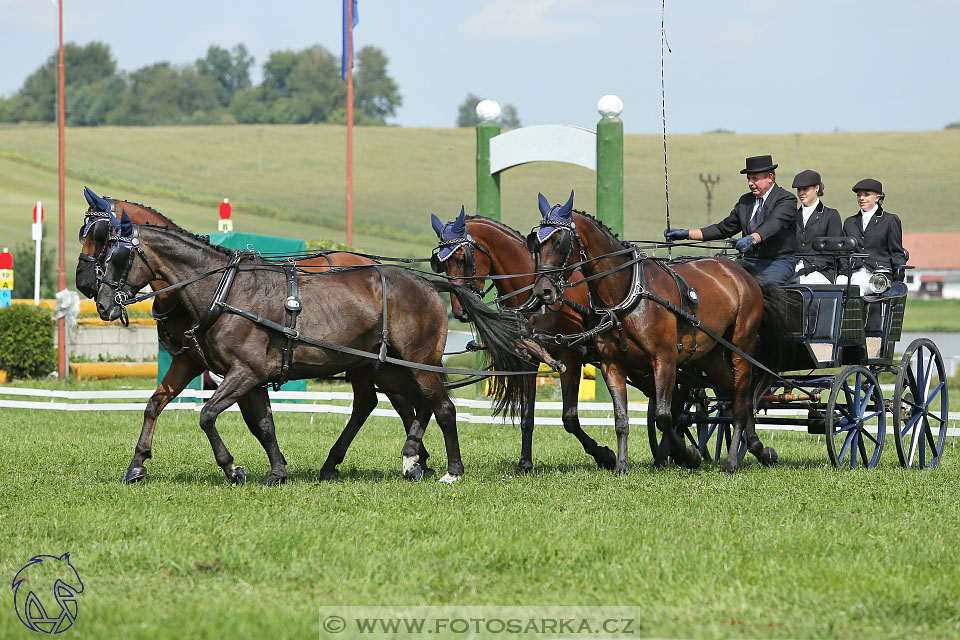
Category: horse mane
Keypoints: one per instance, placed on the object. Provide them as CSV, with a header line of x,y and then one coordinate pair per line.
x,y
169,222
199,237
603,227
505,227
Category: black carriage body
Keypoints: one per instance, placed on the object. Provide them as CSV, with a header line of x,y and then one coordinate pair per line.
x,y
836,326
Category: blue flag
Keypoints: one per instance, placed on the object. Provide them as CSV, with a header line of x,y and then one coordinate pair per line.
x,y
356,19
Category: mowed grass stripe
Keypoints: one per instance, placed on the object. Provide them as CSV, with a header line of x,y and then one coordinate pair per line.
x,y
797,551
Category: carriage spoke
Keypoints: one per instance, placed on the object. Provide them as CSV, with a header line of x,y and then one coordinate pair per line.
x,y
872,439
910,424
929,433
846,444
863,450
932,395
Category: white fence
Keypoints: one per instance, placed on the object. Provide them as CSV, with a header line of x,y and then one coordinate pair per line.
x,y
468,411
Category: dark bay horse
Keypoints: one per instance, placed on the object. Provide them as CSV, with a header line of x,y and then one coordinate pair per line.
x,y
347,317
646,342
186,364
474,247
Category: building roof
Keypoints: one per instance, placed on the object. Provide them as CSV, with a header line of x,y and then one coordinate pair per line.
x,y
933,250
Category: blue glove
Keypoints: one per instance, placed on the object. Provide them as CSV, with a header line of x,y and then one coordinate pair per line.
x,y
744,244
676,234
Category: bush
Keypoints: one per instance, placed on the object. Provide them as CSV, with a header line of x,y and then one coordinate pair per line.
x,y
26,341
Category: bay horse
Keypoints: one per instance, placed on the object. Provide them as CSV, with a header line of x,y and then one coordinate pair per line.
x,y
641,340
473,248
342,319
186,363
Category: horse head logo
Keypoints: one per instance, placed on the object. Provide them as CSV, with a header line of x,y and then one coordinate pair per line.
x,y
38,578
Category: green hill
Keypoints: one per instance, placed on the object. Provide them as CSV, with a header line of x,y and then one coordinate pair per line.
x,y
290,180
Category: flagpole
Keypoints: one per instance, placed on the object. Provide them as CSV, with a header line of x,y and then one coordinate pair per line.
x,y
349,123
61,263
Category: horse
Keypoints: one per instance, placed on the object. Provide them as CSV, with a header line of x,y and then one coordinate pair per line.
x,y
641,340
341,320
186,363
473,248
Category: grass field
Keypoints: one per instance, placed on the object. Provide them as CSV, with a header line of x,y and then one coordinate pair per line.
x,y
290,180
799,551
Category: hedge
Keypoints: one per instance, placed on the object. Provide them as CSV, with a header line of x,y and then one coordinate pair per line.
x,y
26,341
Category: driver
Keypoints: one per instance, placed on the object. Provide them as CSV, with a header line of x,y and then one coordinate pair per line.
x,y
767,218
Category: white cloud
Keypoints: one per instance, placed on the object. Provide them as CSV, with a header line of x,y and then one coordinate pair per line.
x,y
530,20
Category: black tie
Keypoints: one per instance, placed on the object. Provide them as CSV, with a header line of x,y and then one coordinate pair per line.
x,y
752,227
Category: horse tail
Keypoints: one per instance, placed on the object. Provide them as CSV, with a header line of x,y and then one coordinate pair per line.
x,y
503,335
773,349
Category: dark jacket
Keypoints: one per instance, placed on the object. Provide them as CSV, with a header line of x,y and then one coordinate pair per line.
x,y
883,240
824,221
777,225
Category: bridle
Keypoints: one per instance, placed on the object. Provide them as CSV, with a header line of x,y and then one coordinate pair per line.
x,y
121,250
568,232
96,222
469,246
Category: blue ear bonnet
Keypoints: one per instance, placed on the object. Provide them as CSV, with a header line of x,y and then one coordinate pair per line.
x,y
452,235
96,202
562,214
122,229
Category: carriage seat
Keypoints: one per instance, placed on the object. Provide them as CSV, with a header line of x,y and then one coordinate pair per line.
x,y
834,244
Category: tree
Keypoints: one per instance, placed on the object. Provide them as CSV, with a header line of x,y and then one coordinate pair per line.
x,y
231,71
467,114
375,92
162,94
83,66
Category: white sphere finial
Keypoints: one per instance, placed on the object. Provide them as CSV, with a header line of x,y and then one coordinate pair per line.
x,y
610,106
488,110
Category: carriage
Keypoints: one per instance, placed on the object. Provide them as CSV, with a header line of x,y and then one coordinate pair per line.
x,y
839,360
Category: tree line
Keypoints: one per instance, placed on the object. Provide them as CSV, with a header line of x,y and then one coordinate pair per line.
x,y
298,87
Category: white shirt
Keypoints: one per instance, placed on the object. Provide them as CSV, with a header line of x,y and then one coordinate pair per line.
x,y
808,211
866,217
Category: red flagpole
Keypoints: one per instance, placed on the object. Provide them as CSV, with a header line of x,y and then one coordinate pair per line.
x,y
349,123
61,264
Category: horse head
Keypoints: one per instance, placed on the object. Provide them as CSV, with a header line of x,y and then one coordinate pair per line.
x,y
456,257
123,273
93,238
553,242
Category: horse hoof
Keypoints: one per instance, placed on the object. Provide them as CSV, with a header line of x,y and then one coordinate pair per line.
x,y
274,481
239,477
428,471
769,457
694,457
135,474
620,470
449,479
328,476
414,473
524,466
606,458
728,467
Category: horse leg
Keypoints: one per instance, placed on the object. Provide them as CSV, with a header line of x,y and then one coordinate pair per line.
x,y
257,414
182,370
364,402
446,414
570,391
406,412
235,384
617,383
525,464
665,380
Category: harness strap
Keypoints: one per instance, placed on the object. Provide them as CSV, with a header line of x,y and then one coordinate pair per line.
x,y
688,301
292,305
217,304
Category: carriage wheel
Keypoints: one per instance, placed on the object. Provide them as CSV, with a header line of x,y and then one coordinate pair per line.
x,y
682,424
715,437
711,438
920,406
855,420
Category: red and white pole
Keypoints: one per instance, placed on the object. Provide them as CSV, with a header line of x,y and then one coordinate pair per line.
x,y
349,123
36,232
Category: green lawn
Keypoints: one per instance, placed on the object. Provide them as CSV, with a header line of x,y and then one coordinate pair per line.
x,y
799,551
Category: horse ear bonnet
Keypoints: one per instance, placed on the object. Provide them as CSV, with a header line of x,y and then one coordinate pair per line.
x,y
560,213
126,225
437,225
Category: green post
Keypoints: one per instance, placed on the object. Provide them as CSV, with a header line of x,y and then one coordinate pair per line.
x,y
488,186
610,172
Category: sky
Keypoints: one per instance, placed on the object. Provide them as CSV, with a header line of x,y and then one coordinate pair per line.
x,y
749,66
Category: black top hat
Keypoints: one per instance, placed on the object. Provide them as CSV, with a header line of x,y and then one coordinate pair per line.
x,y
807,178
868,184
759,164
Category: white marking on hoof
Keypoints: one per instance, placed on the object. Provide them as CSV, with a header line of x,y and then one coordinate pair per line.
x,y
449,479
409,462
